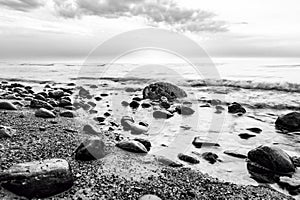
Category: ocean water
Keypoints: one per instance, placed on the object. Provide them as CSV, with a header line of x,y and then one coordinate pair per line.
x,y
267,87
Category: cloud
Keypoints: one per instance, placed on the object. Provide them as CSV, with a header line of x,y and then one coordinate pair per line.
x,y
156,12
22,5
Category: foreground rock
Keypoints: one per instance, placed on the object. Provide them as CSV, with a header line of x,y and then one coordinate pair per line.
x,y
38,179
35,103
44,113
5,132
187,158
132,146
160,89
289,122
90,149
4,105
236,108
145,142
267,164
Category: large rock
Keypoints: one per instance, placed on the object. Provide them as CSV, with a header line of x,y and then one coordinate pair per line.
x,y
268,163
38,179
5,105
90,149
290,122
35,103
160,89
132,146
44,113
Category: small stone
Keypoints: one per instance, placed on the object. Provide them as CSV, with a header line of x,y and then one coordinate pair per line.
x,y
107,114
68,113
162,114
246,135
235,154
125,103
134,104
199,142
137,99
168,162
210,157
183,110
100,119
188,158
145,142
89,129
236,108
132,146
44,113
205,106
6,132
296,161
98,98
104,95
146,105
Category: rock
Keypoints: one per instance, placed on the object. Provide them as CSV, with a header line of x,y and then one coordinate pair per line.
x,y
130,90
90,149
165,105
42,128
145,142
159,89
44,113
40,104
40,97
149,197
254,130
56,94
246,135
132,146
235,154
137,99
215,102
68,113
64,102
290,184
267,163
220,108
199,142
125,103
183,110
187,158
296,161
83,92
146,105
205,106
93,86
134,104
5,105
168,162
144,124
162,114
107,114
210,157
187,103
92,104
38,179
103,95
89,129
6,132
100,119
98,98
289,122
53,103
125,122
236,108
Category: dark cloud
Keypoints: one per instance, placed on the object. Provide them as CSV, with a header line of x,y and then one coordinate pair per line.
x,y
22,5
157,12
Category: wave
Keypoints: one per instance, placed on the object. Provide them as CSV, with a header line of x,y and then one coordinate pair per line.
x,y
247,84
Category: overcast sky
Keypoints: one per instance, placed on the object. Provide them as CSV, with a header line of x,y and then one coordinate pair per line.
x,y
224,28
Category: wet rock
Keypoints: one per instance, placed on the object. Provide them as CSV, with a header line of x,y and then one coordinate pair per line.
x,y
134,104
159,89
236,108
296,161
38,179
246,135
210,157
68,113
145,142
5,105
149,197
132,146
267,163
6,132
183,110
187,158
90,149
44,113
235,154
40,104
168,162
162,114
289,122
199,142
254,130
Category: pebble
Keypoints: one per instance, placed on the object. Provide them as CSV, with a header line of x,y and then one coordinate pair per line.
x,y
254,130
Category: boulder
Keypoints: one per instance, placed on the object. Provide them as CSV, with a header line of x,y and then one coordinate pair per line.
x,y
38,179
159,89
35,103
236,108
132,146
187,158
267,163
44,113
289,122
90,149
5,105
162,114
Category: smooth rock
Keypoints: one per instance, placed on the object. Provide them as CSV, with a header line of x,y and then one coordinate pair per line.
x,y
38,179
168,162
289,122
132,146
254,130
44,113
162,114
90,149
199,142
235,154
236,108
187,158
35,103
5,105
68,113
246,135
145,142
159,89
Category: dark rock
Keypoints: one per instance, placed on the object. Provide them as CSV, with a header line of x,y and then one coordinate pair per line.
x,y
104,95
56,94
215,102
132,146
236,108
187,103
40,104
289,122
296,161
187,158
266,163
210,157
93,111
89,129
83,92
5,105
68,113
98,98
69,108
130,90
100,119
134,104
124,122
162,114
137,99
93,86
165,105
235,154
38,179
90,149
53,103
6,132
146,105
168,162
159,89
64,102
92,104
199,142
71,84
183,110
107,114
40,97
44,113
254,130
220,108
145,142
246,135
42,128
205,106
143,124
125,103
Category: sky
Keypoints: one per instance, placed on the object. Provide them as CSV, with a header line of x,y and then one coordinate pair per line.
x,y
71,29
